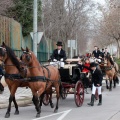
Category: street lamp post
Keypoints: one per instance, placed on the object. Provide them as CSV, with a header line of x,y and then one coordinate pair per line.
x,y
35,8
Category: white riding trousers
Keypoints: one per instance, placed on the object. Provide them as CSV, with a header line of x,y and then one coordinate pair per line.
x,y
94,89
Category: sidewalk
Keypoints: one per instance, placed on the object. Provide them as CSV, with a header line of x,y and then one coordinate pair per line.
x,y
23,97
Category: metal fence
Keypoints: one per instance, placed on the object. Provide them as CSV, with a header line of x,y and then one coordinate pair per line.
x,y
11,34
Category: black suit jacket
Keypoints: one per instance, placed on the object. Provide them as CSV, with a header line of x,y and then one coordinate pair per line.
x,y
96,54
96,75
57,56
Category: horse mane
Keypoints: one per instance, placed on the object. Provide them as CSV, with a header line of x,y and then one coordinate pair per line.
x,y
13,57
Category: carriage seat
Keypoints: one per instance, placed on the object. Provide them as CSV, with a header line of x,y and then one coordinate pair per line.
x,y
65,76
70,67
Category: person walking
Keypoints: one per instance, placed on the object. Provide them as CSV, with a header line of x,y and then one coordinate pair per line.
x,y
96,82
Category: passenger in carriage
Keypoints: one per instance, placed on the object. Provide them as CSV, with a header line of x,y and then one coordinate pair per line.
x,y
59,55
96,82
86,71
87,63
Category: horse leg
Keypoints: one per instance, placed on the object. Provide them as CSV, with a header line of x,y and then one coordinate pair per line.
x,y
107,84
114,81
7,115
41,100
40,95
36,103
16,106
11,98
50,100
110,85
57,96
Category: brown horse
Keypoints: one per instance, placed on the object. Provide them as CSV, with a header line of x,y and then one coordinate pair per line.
x,y
110,71
12,75
42,79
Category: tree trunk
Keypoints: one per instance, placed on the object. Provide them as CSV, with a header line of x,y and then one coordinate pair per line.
x,y
118,49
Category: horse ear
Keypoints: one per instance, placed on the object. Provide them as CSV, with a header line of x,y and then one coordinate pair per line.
x,y
27,49
22,49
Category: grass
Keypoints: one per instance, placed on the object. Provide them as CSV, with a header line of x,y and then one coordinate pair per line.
x,y
118,61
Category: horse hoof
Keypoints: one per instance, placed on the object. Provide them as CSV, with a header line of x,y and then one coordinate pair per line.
x,y
52,105
16,113
114,87
110,89
107,87
38,115
7,115
56,110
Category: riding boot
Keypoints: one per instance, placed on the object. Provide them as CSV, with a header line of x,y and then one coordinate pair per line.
x,y
92,100
100,100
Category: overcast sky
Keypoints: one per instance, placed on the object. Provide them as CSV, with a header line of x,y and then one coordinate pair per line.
x,y
100,1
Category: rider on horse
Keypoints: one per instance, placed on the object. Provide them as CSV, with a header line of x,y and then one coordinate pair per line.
x,y
107,54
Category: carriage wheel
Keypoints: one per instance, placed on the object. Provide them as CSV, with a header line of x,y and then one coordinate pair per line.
x,y
46,99
79,94
64,93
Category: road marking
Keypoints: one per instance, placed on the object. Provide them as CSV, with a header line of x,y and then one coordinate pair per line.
x,y
64,114
60,118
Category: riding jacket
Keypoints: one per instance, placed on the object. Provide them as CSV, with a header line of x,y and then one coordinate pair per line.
x,y
57,55
96,53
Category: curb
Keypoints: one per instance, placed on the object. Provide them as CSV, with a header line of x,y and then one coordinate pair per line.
x,y
20,102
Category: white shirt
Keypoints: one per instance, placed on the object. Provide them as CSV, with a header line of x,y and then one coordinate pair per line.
x,y
59,51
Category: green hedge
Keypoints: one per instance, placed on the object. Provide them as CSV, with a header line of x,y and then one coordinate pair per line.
x,y
118,61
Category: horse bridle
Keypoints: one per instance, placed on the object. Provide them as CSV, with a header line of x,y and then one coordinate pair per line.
x,y
25,52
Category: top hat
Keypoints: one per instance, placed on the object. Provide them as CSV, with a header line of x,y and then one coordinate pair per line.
x,y
59,43
93,64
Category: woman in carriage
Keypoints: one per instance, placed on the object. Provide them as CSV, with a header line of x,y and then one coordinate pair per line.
x,y
87,63
86,73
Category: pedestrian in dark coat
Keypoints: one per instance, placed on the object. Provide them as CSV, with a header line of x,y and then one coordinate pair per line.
x,y
96,82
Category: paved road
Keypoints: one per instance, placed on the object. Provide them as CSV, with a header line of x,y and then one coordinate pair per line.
x,y
23,97
110,110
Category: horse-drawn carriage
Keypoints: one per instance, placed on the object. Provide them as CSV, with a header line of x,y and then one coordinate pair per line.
x,y
73,81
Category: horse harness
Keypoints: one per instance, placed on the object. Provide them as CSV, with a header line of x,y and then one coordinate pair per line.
x,y
30,79
108,68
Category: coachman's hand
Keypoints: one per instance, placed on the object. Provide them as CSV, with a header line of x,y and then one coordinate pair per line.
x,y
54,60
